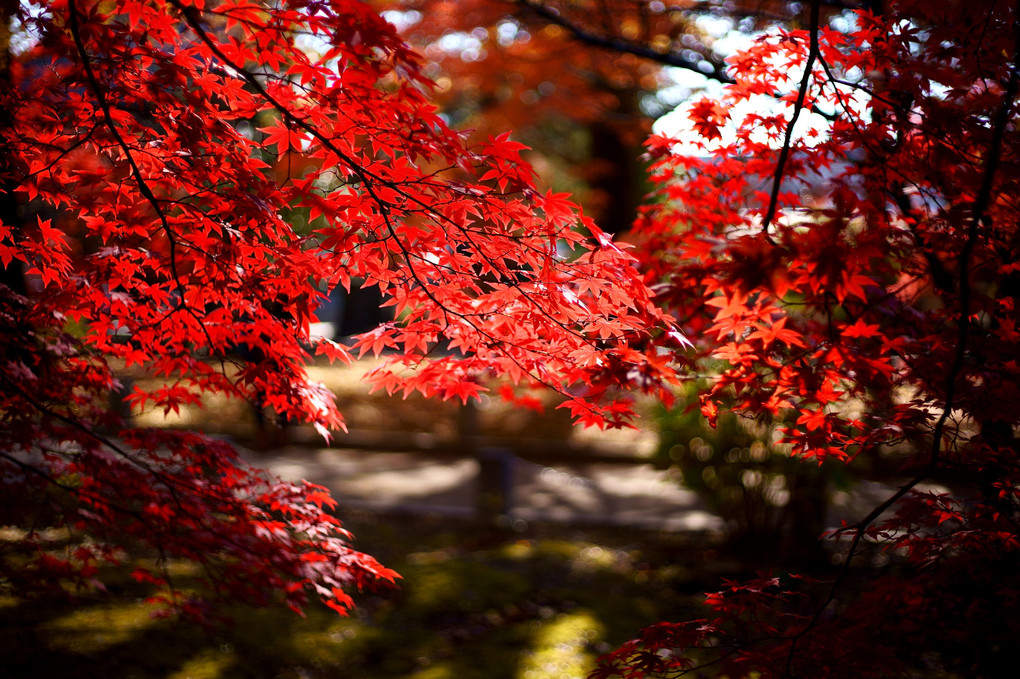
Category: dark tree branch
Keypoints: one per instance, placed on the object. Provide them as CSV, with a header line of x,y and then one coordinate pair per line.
x,y
666,58
136,173
718,71
623,46
798,107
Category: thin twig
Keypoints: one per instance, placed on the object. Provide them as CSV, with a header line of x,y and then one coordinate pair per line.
x,y
798,106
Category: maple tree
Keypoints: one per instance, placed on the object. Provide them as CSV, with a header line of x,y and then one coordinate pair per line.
x,y
851,281
150,151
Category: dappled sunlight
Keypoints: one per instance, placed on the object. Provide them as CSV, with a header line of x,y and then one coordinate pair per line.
x,y
94,629
473,604
561,647
211,663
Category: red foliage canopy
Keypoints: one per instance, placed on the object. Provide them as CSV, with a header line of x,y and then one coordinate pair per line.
x,y
151,150
855,285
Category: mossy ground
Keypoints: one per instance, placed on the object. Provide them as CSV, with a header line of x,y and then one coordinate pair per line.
x,y
474,603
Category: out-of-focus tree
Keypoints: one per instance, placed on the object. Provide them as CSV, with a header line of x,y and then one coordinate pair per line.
x,y
585,110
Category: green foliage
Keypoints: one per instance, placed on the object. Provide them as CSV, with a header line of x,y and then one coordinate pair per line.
x,y
774,503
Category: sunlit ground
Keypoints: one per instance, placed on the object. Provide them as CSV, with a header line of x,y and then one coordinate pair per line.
x,y
540,598
473,603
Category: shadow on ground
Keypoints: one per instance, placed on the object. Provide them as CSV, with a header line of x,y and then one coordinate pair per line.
x,y
473,604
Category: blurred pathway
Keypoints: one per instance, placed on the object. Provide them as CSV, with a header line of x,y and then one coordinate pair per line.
x,y
576,493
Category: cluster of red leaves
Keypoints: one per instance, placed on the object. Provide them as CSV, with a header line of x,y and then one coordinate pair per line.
x,y
153,149
856,289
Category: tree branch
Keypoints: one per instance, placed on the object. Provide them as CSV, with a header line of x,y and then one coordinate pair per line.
x,y
798,106
623,46
136,172
718,71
